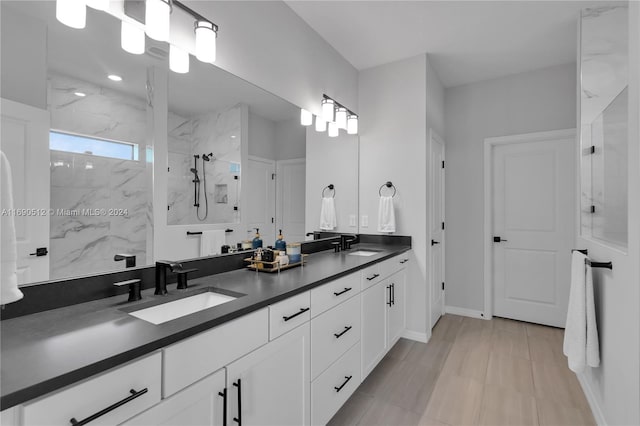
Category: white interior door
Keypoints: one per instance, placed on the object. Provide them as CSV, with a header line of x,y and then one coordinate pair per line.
x,y
25,142
290,198
261,193
436,229
533,228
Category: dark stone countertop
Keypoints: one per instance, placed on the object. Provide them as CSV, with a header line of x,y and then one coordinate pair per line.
x,y
46,351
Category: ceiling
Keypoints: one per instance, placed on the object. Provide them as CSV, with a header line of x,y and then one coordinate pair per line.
x,y
468,41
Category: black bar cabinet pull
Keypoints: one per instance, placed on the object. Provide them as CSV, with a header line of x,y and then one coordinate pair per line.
x,y
373,277
110,408
238,419
389,302
434,242
223,394
338,335
393,293
200,232
339,388
346,289
302,311
606,265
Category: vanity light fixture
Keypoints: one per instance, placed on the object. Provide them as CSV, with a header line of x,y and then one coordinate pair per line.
x,y
178,60
132,38
341,117
72,13
157,16
352,124
98,4
306,118
328,109
321,125
333,129
114,77
80,94
206,34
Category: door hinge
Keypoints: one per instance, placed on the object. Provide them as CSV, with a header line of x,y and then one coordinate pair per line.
x,y
443,285
272,220
273,176
443,225
168,208
443,164
592,209
592,149
168,169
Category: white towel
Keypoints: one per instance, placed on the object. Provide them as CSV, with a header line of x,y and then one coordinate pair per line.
x,y
581,334
386,216
211,242
328,214
8,268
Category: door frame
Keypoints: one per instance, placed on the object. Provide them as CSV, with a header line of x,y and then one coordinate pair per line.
x,y
489,145
435,138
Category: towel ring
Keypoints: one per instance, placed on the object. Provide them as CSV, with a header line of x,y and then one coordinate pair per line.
x,y
388,185
330,187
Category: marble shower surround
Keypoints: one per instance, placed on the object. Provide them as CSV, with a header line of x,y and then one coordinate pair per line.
x,y
219,133
82,244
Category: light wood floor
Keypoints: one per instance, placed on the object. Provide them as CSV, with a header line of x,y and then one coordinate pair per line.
x,y
472,372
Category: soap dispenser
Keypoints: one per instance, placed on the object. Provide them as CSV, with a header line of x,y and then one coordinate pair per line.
x,y
257,241
280,244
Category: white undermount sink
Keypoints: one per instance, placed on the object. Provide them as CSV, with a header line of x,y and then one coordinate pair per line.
x,y
181,307
363,253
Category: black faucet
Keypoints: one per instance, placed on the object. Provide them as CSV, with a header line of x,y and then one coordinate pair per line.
x,y
161,275
130,259
347,239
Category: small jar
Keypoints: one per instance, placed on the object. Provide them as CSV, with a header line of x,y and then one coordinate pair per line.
x,y
294,253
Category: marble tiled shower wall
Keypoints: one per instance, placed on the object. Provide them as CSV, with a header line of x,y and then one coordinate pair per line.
x,y
218,133
82,243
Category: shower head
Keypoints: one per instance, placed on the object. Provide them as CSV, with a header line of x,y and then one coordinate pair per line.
x,y
195,172
208,157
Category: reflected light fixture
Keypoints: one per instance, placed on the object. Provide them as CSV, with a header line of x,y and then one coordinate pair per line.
x,y
341,117
80,94
132,38
98,4
333,129
352,124
328,107
321,125
114,77
157,17
72,13
206,33
178,60
306,118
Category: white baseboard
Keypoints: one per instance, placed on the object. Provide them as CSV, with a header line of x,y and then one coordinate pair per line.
x,y
596,410
454,310
415,335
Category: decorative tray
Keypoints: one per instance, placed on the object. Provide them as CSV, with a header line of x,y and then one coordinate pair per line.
x,y
263,266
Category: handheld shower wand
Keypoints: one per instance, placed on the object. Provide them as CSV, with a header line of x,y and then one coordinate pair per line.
x,y
205,157
196,183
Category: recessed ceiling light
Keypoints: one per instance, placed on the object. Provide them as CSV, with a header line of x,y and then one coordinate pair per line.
x,y
80,94
114,77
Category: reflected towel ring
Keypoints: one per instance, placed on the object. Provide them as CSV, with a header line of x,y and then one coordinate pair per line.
x,y
388,185
330,187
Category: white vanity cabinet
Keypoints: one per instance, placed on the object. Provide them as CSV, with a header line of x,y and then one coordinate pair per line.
x,y
270,386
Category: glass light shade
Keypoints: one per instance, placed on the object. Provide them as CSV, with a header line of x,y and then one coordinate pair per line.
x,y
333,130
341,118
132,38
352,124
321,125
98,4
72,13
178,60
328,107
205,41
306,118
157,16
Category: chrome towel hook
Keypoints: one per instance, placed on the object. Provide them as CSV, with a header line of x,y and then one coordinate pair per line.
x,y
388,185
330,187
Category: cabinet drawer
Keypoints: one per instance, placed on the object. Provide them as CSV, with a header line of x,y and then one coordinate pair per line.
x,y
333,333
97,393
288,314
393,265
196,357
330,391
370,276
330,294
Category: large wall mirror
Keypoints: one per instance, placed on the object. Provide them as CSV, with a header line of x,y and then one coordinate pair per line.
x,y
92,161
603,124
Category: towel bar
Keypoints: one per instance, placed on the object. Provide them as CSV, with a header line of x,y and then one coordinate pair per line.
x,y
607,265
388,185
330,187
200,232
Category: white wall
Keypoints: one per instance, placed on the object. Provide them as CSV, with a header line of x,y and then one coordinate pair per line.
x,y
290,140
262,137
614,387
529,102
435,101
397,107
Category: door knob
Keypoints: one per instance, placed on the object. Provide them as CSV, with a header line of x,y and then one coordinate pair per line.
x,y
498,240
40,251
434,242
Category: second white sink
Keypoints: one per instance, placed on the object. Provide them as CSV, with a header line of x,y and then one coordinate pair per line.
x,y
363,253
181,307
